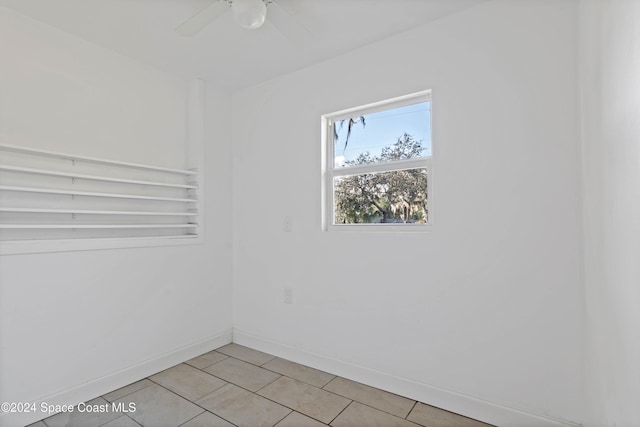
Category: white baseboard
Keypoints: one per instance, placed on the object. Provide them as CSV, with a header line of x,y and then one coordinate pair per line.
x,y
115,380
483,410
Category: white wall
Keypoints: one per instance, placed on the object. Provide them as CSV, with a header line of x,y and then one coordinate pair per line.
x,y
483,314
75,325
610,65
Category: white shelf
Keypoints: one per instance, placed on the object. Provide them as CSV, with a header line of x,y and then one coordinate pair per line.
x,y
95,212
9,168
93,226
110,195
40,245
92,194
59,155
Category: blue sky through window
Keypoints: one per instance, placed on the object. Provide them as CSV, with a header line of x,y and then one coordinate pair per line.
x,y
383,129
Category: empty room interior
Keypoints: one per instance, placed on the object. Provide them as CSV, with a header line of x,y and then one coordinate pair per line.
x,y
336,212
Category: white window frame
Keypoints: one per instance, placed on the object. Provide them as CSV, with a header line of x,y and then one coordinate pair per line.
x,y
330,172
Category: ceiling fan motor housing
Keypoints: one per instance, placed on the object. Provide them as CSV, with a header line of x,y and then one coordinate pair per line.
x,y
250,14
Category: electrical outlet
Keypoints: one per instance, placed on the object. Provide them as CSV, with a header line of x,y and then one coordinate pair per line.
x,y
288,296
287,224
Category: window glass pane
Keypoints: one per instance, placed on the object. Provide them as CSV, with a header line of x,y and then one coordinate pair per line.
x,y
397,197
395,134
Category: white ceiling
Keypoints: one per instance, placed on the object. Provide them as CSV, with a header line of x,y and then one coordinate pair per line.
x,y
235,57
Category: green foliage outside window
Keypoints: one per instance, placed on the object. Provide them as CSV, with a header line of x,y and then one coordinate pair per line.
x,y
385,197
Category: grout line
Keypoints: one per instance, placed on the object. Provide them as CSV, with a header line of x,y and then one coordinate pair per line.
x,y
123,415
280,420
211,412
205,367
266,385
389,413
375,389
330,381
415,403
248,348
116,418
173,392
297,379
192,417
339,413
206,410
273,358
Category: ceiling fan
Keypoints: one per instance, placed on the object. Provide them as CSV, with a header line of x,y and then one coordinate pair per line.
x,y
250,14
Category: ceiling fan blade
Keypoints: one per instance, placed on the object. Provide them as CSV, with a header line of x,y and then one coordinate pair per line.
x,y
282,17
197,22
287,5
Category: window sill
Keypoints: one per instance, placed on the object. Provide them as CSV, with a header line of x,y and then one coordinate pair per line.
x,y
381,228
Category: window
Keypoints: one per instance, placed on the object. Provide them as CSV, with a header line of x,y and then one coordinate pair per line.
x,y
377,165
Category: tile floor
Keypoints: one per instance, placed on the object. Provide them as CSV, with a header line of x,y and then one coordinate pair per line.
x,y
238,386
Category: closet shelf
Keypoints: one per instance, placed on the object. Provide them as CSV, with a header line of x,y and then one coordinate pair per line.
x,y
66,156
93,226
8,168
96,212
52,201
92,194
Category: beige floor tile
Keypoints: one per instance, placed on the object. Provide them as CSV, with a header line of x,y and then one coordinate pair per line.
x,y
245,353
83,417
242,373
123,421
207,419
299,372
206,359
243,408
379,399
430,416
358,415
157,406
304,398
277,386
121,392
296,419
187,381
